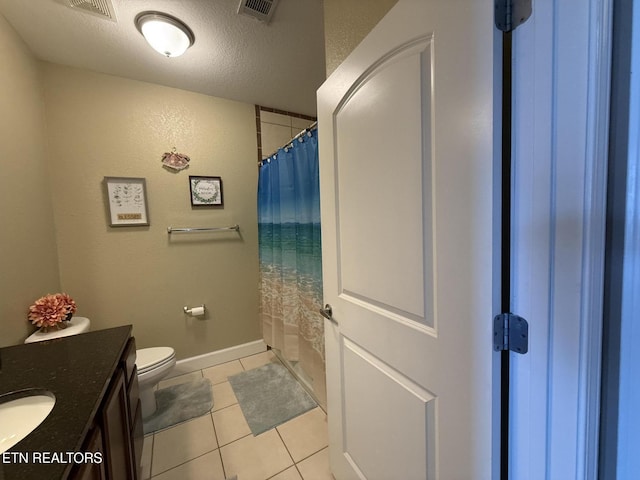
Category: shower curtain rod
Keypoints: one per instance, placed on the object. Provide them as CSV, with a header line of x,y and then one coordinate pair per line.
x,y
308,129
290,142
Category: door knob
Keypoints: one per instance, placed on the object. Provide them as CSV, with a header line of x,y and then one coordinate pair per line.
x,y
327,312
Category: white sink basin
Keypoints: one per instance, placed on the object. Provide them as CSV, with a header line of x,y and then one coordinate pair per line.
x,y
21,412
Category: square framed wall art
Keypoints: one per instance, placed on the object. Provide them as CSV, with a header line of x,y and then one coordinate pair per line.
x,y
127,201
206,191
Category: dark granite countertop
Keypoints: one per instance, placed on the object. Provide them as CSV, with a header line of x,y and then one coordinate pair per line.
x,y
77,369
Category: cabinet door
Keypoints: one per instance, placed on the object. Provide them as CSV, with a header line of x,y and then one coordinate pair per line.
x,y
135,419
115,429
91,471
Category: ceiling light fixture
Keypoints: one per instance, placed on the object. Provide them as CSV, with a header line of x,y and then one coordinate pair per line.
x,y
166,34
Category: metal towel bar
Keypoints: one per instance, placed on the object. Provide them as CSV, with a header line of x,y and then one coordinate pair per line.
x,y
171,230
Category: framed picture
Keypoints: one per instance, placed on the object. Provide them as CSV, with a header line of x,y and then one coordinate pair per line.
x,y
206,191
127,200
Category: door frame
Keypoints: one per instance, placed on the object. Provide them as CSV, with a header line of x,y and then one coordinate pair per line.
x,y
562,65
620,420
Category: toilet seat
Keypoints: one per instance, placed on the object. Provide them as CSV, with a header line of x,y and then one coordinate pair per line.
x,y
151,358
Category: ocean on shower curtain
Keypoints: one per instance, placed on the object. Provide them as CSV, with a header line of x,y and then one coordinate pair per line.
x,y
291,259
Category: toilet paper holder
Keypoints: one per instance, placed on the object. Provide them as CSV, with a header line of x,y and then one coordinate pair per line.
x,y
195,310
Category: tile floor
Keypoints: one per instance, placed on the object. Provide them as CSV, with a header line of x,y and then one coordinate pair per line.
x,y
220,445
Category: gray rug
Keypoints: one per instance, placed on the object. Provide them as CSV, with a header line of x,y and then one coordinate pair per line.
x,y
269,396
179,403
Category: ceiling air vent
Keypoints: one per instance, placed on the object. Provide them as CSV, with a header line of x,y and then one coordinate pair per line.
x,y
100,8
260,9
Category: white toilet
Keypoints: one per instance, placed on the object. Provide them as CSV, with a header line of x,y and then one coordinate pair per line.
x,y
153,364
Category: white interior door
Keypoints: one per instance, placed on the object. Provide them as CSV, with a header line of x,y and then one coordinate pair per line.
x,y
406,131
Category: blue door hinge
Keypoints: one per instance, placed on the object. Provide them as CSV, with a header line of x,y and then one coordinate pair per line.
x,y
509,14
510,332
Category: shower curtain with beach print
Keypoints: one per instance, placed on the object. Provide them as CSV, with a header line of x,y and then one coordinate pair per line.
x,y
290,258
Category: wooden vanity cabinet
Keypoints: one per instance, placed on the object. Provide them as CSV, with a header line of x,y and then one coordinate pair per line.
x,y
117,431
134,406
92,471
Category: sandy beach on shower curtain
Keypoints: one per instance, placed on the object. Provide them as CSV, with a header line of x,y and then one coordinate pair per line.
x,y
291,278
293,302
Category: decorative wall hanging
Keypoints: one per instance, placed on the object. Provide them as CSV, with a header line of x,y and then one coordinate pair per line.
x,y
206,191
127,200
174,160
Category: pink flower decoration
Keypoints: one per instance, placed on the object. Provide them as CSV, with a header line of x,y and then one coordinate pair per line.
x,y
51,310
71,305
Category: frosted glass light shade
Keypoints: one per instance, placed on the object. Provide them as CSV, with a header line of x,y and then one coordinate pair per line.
x,y
166,34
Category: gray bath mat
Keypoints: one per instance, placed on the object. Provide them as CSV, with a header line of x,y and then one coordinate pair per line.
x,y
179,403
269,396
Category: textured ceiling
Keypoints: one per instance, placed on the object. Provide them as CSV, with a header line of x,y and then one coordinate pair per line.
x,y
279,65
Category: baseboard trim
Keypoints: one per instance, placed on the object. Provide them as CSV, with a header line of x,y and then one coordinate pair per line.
x,y
206,360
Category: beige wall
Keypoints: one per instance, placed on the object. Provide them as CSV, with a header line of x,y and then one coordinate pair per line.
x,y
28,258
346,23
100,125
96,126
